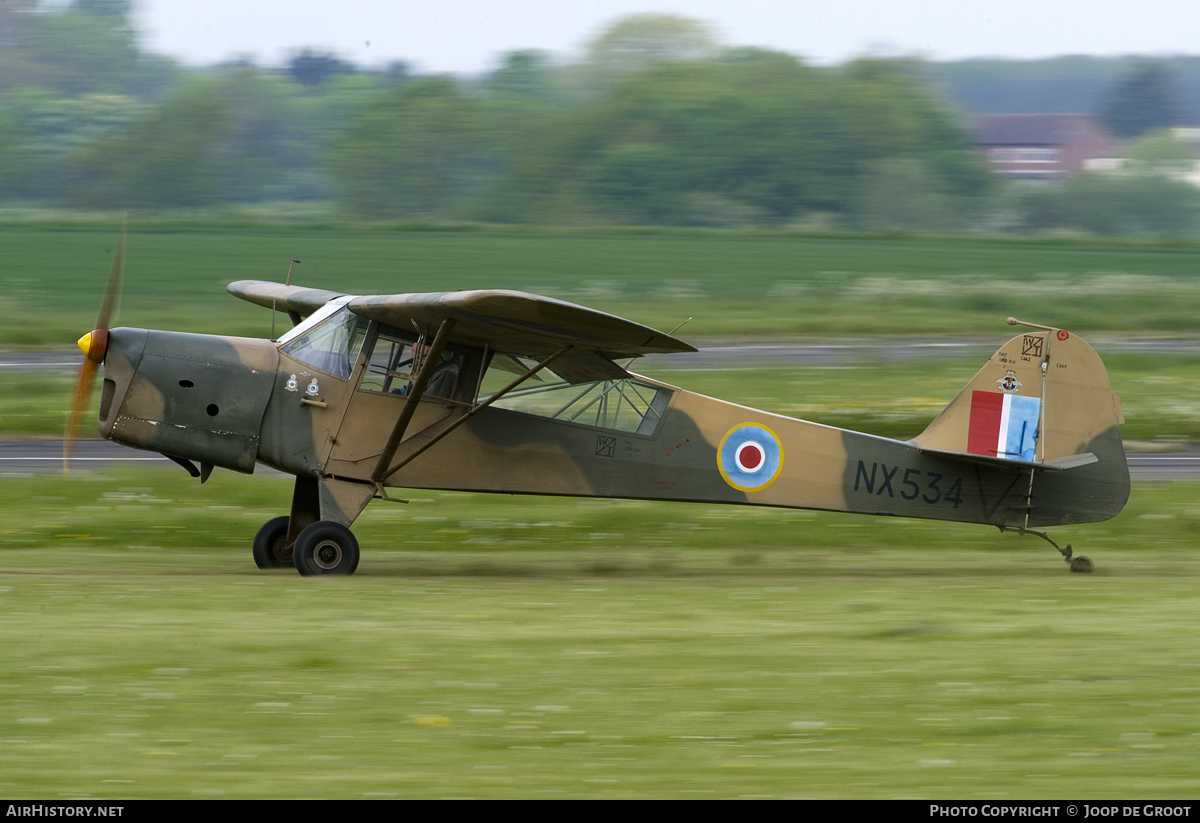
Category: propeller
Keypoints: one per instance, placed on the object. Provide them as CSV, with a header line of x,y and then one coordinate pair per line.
x,y
94,345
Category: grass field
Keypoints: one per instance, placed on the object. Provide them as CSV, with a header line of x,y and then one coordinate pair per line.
x,y
526,647
755,285
513,647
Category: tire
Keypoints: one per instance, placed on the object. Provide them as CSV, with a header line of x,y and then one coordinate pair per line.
x,y
326,547
271,550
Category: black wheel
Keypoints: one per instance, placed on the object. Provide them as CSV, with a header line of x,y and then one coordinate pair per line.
x,y
326,547
1081,564
271,550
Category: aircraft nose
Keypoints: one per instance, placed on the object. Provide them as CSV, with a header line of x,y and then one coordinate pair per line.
x,y
94,345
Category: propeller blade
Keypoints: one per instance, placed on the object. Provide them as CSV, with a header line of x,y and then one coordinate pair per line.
x,y
79,403
94,352
112,292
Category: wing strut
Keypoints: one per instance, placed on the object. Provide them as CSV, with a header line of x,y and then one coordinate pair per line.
x,y
432,358
478,407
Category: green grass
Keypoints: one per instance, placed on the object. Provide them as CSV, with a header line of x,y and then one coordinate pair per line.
x,y
522,647
757,285
495,646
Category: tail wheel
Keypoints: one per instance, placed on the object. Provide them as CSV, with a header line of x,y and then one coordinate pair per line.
x,y
326,547
271,550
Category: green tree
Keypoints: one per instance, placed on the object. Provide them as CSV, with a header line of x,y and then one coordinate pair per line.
x,y
14,166
14,14
1142,101
264,152
73,52
326,111
167,158
43,131
636,182
525,74
104,8
1133,204
1160,152
904,194
747,133
637,42
234,136
311,68
90,47
418,150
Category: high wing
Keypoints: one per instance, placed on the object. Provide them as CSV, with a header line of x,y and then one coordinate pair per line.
x,y
510,321
283,298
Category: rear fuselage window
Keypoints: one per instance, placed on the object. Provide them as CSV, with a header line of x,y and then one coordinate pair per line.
x,y
629,405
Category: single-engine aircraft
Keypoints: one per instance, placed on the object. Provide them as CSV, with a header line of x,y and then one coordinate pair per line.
x,y
509,392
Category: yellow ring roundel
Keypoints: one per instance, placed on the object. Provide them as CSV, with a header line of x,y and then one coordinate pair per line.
x,y
750,457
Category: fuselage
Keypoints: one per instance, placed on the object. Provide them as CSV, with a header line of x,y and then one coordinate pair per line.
x,y
310,409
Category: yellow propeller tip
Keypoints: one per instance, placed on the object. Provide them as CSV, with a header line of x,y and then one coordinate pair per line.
x,y
85,344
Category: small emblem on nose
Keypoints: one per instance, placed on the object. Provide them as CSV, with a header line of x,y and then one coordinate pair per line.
x,y
290,385
313,389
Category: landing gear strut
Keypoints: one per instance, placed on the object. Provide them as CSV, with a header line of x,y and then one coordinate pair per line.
x,y
304,541
1078,563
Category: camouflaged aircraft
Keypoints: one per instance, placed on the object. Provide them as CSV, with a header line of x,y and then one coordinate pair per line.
x,y
508,392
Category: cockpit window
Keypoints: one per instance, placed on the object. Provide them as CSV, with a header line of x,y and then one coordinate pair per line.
x,y
332,346
392,366
395,360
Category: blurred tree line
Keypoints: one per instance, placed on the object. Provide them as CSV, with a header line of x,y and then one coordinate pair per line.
x,y
656,124
1076,83
1139,99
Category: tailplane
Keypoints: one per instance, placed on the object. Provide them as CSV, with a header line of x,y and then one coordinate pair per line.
x,y
1042,402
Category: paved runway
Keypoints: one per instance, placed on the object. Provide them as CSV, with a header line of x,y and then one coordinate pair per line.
x,y
1180,466
45,457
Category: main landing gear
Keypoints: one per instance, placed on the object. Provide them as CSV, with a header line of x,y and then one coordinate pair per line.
x,y
323,547
271,549
1078,563
326,547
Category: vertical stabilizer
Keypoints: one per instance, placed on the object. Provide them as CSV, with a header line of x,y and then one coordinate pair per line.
x,y
1044,397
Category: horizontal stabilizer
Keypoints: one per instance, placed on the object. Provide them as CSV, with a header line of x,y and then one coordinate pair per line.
x,y
1073,461
1059,464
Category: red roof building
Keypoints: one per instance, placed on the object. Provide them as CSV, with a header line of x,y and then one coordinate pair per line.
x,y
1044,146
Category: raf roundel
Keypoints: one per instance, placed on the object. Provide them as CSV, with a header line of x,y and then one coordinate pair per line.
x,y
750,457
